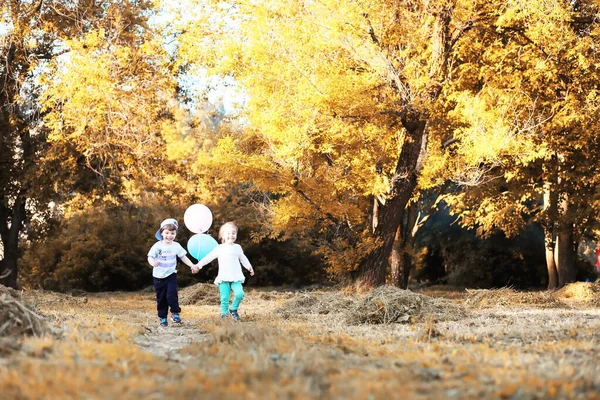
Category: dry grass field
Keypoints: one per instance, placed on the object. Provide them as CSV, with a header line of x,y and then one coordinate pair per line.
x,y
433,343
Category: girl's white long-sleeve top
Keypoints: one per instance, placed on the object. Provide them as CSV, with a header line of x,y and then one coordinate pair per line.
x,y
229,257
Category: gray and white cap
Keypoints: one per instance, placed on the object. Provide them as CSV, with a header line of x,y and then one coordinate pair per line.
x,y
167,221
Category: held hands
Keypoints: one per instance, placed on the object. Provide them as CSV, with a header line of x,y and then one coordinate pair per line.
x,y
196,269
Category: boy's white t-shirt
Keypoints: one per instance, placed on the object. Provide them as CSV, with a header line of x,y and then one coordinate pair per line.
x,y
166,255
229,257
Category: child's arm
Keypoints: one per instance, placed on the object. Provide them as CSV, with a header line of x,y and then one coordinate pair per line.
x,y
208,258
245,262
190,264
152,255
182,254
187,262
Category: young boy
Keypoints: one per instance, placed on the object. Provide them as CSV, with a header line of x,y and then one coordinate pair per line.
x,y
163,257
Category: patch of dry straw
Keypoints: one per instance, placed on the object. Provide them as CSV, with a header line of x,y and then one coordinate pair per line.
x,y
332,303
200,293
510,298
580,292
39,298
10,291
18,318
389,304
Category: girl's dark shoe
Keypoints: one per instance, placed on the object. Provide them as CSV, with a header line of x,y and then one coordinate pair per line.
x,y
234,314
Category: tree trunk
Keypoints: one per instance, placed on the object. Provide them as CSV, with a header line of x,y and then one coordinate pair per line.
x,y
565,255
403,248
413,225
10,239
12,154
550,261
396,258
407,265
549,219
565,245
373,267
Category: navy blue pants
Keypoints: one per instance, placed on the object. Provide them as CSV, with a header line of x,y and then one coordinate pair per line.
x,y
166,295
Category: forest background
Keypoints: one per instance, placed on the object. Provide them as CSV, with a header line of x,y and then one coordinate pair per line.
x,y
358,141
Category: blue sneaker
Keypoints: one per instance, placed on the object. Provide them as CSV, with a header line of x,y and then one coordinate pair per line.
x,y
163,322
234,314
175,318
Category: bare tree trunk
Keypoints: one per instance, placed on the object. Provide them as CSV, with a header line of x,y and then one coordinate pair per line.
x,y
373,268
10,239
407,266
15,147
565,246
550,219
403,249
565,257
414,224
375,216
396,258
550,261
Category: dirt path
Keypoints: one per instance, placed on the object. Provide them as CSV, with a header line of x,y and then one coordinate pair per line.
x,y
168,342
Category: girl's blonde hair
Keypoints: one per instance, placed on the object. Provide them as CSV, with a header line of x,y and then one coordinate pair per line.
x,y
224,227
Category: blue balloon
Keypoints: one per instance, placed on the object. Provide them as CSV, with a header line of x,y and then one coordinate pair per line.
x,y
200,245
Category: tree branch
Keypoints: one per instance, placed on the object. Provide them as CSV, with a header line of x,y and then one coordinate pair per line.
x,y
34,9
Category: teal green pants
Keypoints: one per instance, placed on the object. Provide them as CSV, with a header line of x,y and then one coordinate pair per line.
x,y
225,289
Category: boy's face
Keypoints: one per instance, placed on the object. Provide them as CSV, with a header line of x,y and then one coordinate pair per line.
x,y
168,235
230,235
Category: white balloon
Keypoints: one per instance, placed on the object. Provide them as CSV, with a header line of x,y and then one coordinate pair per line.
x,y
198,218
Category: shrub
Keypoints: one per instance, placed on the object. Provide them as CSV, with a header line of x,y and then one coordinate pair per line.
x,y
100,248
453,255
104,247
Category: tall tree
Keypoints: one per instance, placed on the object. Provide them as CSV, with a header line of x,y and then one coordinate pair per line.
x,y
80,105
21,137
340,95
547,65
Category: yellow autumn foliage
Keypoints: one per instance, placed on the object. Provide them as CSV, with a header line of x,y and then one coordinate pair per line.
x,y
327,85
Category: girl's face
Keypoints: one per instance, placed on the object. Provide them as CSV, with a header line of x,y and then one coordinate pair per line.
x,y
168,236
229,235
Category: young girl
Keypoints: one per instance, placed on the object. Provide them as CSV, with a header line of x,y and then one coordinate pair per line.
x,y
230,276
163,257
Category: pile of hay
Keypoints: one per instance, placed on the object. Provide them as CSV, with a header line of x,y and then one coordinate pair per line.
x,y
332,303
200,293
18,318
10,291
510,298
580,292
39,298
272,295
300,305
389,304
